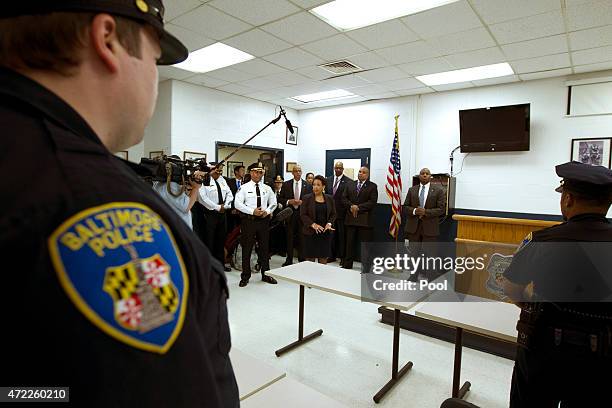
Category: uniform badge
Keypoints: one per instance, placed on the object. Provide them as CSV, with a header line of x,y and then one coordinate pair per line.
x,y
120,266
525,241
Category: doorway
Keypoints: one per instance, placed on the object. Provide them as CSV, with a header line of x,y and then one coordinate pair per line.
x,y
272,159
353,160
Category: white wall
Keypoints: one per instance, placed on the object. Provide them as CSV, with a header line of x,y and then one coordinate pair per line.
x,y
158,134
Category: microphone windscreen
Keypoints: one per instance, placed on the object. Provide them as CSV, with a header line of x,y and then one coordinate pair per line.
x,y
289,126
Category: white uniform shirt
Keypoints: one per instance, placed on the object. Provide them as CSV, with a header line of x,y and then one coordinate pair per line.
x,y
209,197
246,198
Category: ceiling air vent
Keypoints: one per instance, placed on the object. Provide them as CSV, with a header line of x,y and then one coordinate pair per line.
x,y
340,67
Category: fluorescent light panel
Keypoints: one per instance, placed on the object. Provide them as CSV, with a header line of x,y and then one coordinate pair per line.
x,y
466,75
351,14
213,57
323,96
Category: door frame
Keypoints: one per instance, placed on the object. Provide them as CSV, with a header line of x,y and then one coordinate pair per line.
x,y
364,154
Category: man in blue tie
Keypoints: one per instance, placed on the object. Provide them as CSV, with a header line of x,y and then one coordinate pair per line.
x,y
425,203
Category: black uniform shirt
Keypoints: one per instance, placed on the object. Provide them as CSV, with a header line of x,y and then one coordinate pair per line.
x,y
105,289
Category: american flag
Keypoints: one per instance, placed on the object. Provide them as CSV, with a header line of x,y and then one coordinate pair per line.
x,y
394,186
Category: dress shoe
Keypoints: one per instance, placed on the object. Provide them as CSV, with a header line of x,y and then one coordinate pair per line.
x,y
330,260
268,279
287,263
227,269
243,283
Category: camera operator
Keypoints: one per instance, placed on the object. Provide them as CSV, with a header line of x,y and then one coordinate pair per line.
x,y
180,198
217,198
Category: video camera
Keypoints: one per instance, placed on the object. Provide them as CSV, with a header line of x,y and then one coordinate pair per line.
x,y
172,168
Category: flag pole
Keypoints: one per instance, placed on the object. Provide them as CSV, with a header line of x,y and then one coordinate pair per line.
x,y
400,199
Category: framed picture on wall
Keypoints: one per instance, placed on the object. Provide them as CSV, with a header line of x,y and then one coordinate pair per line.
x,y
155,154
289,166
593,151
291,138
122,154
231,165
194,155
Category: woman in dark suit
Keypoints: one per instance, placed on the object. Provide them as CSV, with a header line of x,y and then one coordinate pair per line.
x,y
318,213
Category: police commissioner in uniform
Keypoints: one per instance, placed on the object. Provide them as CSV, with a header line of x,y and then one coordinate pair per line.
x,y
256,202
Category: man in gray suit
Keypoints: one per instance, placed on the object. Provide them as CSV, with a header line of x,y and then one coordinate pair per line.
x,y
425,203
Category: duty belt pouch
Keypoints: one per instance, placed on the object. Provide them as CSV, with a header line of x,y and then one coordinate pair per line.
x,y
525,336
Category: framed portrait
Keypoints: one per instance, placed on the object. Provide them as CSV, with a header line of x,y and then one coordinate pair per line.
x,y
291,138
155,154
193,155
593,151
289,166
122,154
231,165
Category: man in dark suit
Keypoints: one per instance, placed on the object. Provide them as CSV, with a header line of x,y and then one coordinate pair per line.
x,y
335,187
425,203
234,184
291,195
359,198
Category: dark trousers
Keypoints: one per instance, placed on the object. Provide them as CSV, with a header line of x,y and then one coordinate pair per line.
x,y
295,238
357,235
198,219
254,230
339,242
417,247
544,376
216,233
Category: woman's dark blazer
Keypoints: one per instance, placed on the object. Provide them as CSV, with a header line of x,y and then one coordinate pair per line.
x,y
307,212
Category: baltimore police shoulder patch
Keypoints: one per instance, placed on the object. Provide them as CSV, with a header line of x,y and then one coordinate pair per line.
x,y
120,266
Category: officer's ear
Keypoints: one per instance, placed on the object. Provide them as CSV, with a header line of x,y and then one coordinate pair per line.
x,y
104,40
568,199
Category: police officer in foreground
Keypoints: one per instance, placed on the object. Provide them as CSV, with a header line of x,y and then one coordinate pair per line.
x,y
256,202
561,278
107,290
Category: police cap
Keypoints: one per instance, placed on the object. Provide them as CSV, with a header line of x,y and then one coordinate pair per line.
x,y
146,11
256,167
586,179
278,179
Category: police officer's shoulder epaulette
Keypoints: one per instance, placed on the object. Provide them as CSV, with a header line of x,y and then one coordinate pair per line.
x,y
528,238
549,233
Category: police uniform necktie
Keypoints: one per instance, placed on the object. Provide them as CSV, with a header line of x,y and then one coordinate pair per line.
x,y
336,185
422,197
258,193
219,193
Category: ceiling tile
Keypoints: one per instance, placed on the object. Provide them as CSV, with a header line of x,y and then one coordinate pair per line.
x,y
536,48
192,40
231,75
205,80
257,42
300,28
258,67
262,96
383,74
370,90
211,22
401,84
448,19
495,81
308,4
477,58
496,11
175,8
368,60
383,95
260,84
595,37
334,102
588,15
314,72
452,87
302,89
592,56
294,58
528,28
415,91
334,48
464,41
286,78
593,67
545,63
429,66
236,89
415,51
260,13
546,74
346,81
170,72
383,35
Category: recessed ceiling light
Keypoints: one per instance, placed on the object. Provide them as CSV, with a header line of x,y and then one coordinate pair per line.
x,y
213,57
323,96
468,74
351,14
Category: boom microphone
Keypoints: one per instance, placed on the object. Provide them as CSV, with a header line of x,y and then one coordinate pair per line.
x,y
287,121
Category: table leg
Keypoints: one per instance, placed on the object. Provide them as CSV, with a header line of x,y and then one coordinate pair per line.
x,y
459,392
395,374
301,338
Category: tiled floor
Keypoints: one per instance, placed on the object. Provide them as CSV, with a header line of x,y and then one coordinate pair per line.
x,y
351,361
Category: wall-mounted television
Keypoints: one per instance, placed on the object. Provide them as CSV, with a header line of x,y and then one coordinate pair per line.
x,y
495,129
